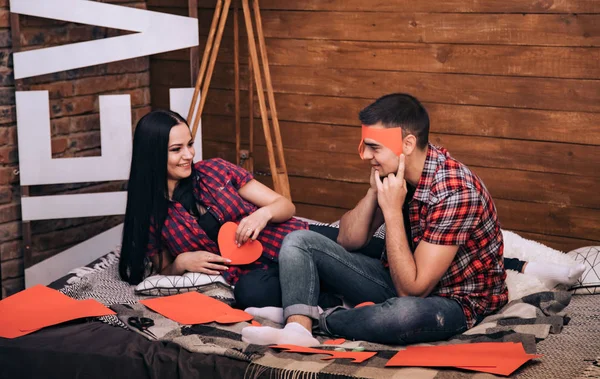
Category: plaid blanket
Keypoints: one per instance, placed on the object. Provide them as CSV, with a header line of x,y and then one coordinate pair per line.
x,y
524,320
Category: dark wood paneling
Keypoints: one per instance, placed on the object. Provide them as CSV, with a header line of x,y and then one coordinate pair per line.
x,y
542,157
559,243
512,88
548,219
534,93
510,123
514,92
552,157
543,187
555,62
505,29
397,6
319,213
494,29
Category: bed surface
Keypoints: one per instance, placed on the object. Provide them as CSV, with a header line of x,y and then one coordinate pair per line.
x,y
92,349
97,350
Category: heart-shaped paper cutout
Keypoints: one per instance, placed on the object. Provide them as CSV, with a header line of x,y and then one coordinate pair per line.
x,y
243,255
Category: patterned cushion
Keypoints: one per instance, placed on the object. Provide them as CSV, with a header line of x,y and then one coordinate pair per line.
x,y
173,284
590,280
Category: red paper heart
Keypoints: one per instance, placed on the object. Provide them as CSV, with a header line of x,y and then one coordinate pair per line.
x,y
243,255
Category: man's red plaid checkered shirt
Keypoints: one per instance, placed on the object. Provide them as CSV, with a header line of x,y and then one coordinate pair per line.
x,y
216,185
451,206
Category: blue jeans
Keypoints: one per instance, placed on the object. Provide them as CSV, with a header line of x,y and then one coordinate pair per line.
x,y
307,259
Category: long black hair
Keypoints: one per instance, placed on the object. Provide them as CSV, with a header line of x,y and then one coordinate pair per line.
x,y
147,190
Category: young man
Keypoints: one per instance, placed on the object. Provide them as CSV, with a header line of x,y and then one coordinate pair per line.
x,y
442,270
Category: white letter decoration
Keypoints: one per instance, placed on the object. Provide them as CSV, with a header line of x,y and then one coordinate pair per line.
x,y
155,33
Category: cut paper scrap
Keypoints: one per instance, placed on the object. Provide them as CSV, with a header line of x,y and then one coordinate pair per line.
x,y
243,255
84,308
493,357
509,364
39,306
194,308
232,316
337,341
356,356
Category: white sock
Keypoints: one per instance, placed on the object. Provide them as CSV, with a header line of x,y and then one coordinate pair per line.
x,y
292,334
274,314
552,274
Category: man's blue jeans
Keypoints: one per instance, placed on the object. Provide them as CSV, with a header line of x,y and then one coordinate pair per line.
x,y
308,259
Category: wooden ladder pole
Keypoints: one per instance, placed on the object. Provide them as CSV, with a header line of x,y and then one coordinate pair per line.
x,y
211,64
282,169
236,69
279,181
207,49
194,51
249,166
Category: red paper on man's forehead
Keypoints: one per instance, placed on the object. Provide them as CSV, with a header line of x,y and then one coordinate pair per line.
x,y
388,137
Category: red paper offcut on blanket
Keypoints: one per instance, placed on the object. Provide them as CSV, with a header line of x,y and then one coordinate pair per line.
x,y
337,341
501,358
243,255
194,308
39,306
356,356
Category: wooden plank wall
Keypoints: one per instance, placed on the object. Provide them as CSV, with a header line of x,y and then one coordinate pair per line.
x,y
512,87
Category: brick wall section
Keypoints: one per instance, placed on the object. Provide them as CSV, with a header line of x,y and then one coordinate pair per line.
x,y
75,132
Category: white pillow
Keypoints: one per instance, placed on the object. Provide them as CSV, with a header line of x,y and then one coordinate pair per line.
x,y
516,246
173,284
589,283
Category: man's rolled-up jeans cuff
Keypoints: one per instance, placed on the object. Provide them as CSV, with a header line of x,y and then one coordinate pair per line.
x,y
323,317
301,310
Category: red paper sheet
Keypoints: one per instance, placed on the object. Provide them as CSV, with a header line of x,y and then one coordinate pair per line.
x,y
366,303
508,366
243,255
492,357
356,356
194,308
39,306
337,341
83,308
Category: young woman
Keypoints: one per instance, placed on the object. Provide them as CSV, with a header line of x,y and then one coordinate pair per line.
x,y
175,209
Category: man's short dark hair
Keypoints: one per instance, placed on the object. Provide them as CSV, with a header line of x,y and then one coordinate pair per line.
x,y
399,110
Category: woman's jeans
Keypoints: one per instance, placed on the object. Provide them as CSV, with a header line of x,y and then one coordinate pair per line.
x,y
308,260
261,288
